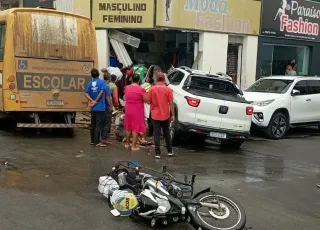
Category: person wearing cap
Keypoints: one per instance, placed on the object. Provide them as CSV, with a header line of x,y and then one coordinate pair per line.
x,y
141,70
157,70
161,99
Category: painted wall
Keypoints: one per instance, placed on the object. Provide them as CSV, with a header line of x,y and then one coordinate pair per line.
x,y
214,47
249,61
215,52
103,48
81,7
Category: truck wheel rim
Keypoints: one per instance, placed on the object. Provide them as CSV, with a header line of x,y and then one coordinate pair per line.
x,y
279,127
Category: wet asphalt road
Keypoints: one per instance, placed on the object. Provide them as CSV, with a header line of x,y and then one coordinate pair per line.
x,y
50,181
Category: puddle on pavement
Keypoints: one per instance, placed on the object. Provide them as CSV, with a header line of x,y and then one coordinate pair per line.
x,y
79,172
43,180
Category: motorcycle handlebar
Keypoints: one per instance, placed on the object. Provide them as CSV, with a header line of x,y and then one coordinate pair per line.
x,y
164,175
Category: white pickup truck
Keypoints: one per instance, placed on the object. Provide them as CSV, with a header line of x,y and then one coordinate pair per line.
x,y
210,106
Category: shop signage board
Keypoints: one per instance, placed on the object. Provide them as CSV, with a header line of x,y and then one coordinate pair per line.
x,y
226,16
299,19
123,13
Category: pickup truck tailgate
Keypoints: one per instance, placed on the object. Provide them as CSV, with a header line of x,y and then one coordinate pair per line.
x,y
208,112
236,117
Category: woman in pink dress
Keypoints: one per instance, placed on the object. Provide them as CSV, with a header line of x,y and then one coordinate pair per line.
x,y
134,123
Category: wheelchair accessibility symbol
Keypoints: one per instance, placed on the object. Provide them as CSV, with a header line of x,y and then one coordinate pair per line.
x,y
22,64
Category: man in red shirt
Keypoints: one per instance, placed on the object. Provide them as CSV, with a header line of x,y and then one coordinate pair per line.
x,y
161,99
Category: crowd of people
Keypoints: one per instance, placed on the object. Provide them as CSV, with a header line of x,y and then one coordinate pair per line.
x,y
146,99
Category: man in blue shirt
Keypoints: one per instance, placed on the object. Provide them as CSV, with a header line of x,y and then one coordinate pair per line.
x,y
108,111
95,93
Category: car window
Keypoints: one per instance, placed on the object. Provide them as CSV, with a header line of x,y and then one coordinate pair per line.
x,y
302,87
176,78
213,88
313,87
208,86
270,86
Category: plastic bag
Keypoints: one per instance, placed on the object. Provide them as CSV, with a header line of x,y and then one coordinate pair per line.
x,y
146,110
107,185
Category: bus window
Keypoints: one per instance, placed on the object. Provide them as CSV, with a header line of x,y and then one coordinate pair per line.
x,y
2,39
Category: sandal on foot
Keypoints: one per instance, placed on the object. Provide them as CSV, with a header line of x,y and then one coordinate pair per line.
x,y
147,143
101,145
135,149
127,146
107,142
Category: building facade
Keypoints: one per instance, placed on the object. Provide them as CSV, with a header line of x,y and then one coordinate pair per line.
x,y
218,35
289,34
228,33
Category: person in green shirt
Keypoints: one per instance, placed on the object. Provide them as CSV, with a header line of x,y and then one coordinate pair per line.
x,y
141,70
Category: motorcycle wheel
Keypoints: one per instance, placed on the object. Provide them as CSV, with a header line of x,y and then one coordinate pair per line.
x,y
232,218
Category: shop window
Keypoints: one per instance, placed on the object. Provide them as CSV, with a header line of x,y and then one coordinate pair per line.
x,y
302,87
276,58
313,87
2,39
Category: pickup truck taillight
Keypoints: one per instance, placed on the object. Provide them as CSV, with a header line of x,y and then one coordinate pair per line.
x,y
193,102
249,111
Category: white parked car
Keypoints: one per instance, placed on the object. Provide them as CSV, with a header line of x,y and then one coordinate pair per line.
x,y
283,101
209,105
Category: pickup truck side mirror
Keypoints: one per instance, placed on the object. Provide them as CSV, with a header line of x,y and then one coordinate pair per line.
x,y
295,92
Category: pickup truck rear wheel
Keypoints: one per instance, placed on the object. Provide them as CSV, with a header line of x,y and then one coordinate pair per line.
x,y
175,133
278,126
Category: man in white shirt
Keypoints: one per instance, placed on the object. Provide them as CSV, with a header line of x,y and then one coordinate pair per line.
x,y
116,71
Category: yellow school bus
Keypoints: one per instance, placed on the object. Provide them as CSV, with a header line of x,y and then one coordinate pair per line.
x,y
45,61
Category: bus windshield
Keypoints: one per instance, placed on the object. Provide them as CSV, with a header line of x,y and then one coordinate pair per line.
x,y
53,35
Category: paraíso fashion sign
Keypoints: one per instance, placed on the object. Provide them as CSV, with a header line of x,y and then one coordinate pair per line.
x,y
123,13
232,16
291,19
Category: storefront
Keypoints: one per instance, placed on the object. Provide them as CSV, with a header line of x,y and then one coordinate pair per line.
x,y
134,16
228,33
211,35
289,35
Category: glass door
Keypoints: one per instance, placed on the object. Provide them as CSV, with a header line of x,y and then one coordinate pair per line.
x,y
266,56
302,61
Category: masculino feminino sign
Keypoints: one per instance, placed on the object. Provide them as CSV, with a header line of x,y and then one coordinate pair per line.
x,y
295,19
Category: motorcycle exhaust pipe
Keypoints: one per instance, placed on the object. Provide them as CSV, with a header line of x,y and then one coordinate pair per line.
x,y
208,205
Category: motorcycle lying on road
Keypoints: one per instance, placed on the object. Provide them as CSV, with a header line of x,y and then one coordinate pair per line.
x,y
163,199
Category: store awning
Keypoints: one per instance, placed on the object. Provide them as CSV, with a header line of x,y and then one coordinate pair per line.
x,y
117,40
121,52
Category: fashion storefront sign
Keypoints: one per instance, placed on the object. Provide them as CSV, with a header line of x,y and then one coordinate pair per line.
x,y
297,19
230,16
123,13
